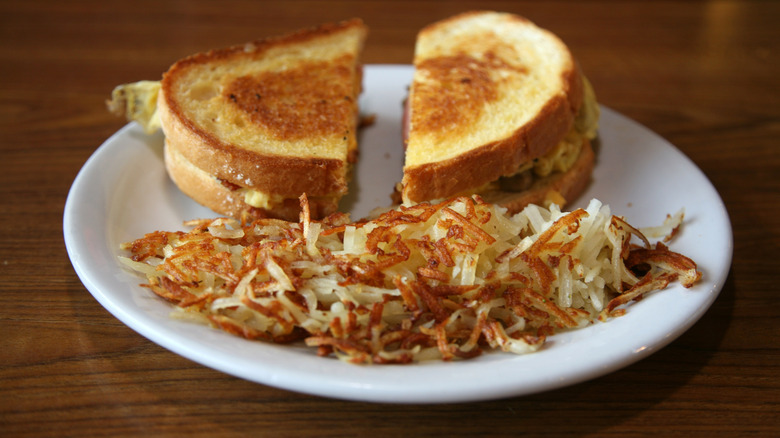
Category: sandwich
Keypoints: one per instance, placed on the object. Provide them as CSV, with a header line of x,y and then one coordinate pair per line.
x,y
500,108
248,129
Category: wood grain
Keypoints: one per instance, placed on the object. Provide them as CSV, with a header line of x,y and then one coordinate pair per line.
x,y
701,74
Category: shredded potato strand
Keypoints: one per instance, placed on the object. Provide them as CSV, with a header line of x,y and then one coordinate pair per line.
x,y
446,281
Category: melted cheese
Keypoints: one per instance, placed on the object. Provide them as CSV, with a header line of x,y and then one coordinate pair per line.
x,y
269,201
258,199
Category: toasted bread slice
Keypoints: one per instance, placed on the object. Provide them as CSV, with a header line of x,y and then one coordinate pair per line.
x,y
270,120
230,199
491,93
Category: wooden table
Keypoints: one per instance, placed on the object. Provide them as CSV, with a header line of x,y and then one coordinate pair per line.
x,y
704,75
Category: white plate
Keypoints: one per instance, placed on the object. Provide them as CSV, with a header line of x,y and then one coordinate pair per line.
x,y
123,192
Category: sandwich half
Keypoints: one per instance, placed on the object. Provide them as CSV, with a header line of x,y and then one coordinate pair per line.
x,y
249,129
497,107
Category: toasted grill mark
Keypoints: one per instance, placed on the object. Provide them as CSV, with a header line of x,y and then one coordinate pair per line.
x,y
456,90
312,99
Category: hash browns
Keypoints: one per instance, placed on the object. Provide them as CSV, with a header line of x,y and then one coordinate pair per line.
x,y
430,281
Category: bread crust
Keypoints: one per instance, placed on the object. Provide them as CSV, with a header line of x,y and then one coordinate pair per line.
x,y
487,162
570,184
287,176
207,190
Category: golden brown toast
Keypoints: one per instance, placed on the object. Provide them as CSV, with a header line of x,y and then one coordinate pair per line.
x,y
491,92
266,121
